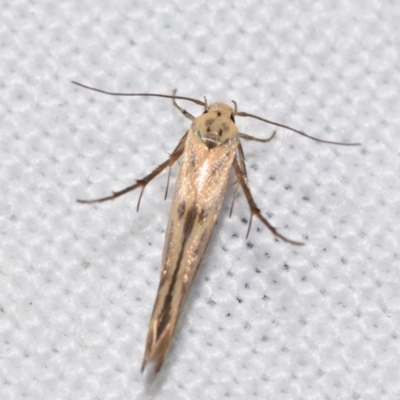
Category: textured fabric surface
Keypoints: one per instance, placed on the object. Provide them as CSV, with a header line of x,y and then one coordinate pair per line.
x,y
264,319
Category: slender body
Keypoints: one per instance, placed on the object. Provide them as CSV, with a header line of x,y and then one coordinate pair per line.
x,y
208,155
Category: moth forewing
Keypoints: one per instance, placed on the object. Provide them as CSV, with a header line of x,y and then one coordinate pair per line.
x,y
208,155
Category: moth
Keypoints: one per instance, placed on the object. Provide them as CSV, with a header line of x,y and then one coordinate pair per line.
x,y
209,150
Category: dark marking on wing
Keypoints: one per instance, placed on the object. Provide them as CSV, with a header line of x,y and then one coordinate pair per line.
x,y
203,214
201,244
189,223
218,165
193,159
187,229
181,209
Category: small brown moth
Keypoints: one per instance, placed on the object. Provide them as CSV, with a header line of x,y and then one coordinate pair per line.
x,y
209,150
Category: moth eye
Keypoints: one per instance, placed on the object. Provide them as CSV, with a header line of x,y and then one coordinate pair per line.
x,y
232,119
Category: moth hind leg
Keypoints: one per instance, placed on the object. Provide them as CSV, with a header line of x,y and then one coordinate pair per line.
x,y
254,210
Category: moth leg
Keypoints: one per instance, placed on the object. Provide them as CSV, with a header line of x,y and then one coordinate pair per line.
x,y
254,210
254,139
184,112
242,165
234,198
142,183
242,158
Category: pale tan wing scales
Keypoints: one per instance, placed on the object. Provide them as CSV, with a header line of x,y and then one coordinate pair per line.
x,y
207,159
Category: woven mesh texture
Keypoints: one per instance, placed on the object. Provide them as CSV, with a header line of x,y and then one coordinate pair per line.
x,y
264,319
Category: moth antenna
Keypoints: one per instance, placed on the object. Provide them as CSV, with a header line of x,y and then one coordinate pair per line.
x,y
244,114
166,96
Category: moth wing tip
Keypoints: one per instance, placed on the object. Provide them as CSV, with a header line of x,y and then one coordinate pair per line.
x,y
158,360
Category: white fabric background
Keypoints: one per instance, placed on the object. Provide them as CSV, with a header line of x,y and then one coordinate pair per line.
x,y
264,319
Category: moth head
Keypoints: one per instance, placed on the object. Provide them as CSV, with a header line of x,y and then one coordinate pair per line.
x,y
216,126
